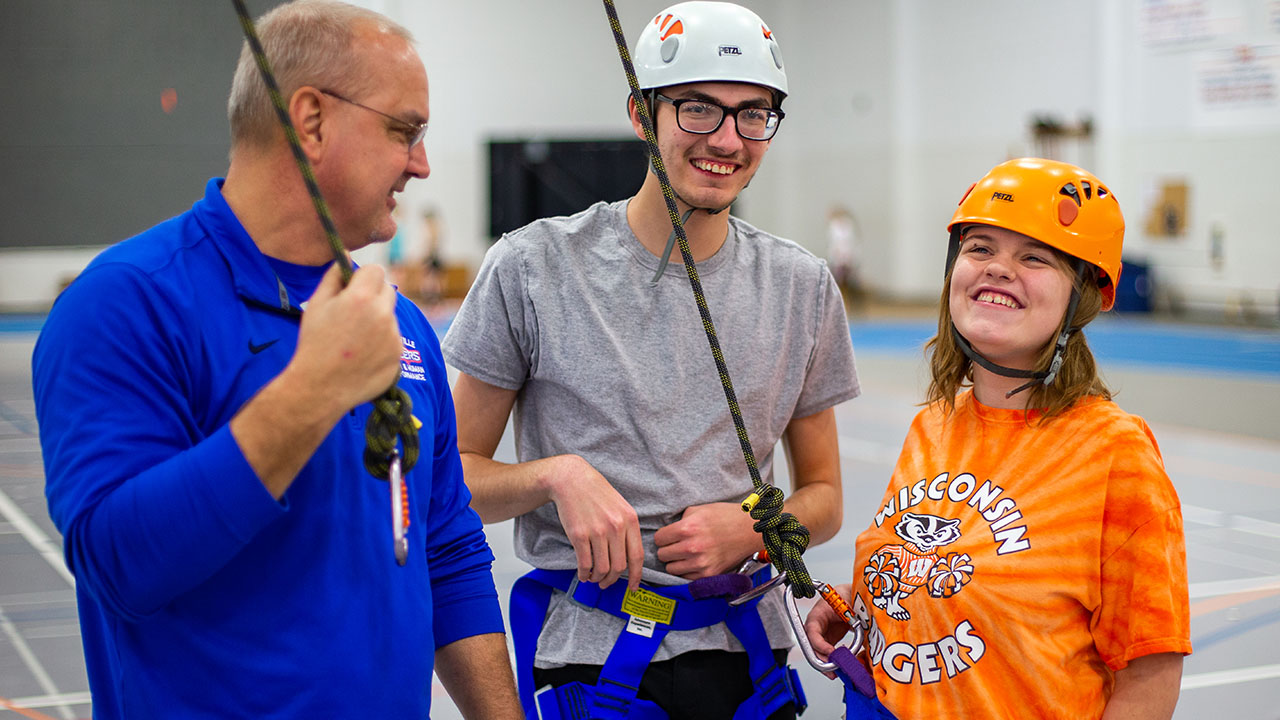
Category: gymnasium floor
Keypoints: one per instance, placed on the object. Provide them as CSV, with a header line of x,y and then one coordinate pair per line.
x,y
1212,395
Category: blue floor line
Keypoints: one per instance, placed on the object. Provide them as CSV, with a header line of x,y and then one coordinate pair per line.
x,y
1120,342
17,324
1115,341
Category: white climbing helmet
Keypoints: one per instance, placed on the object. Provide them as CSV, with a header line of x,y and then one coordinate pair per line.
x,y
708,42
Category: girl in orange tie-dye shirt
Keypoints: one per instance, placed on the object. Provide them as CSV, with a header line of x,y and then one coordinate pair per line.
x,y
1027,559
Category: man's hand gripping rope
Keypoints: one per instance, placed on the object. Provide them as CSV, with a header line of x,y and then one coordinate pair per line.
x,y
392,417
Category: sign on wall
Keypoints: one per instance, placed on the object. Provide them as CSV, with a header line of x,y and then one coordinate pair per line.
x,y
1214,63
1237,87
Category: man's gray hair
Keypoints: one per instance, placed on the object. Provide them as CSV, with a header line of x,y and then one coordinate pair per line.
x,y
307,42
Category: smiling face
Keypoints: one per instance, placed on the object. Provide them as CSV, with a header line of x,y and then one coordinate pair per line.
x,y
371,160
1009,294
709,171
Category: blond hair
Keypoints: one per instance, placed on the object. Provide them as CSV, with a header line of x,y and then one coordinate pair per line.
x,y
307,42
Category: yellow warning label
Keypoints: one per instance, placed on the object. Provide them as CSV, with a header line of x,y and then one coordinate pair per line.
x,y
649,605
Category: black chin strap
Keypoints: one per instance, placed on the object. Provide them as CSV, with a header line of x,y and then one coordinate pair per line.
x,y
1038,377
666,251
671,239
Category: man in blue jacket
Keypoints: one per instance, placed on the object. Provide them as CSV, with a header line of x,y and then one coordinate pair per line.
x,y
202,391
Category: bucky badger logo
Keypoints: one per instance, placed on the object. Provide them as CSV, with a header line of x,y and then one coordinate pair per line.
x,y
896,571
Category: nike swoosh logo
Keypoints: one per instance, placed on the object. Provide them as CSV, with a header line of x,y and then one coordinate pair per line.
x,y
255,349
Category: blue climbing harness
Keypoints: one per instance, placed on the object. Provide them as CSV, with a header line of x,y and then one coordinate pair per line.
x,y
699,604
860,701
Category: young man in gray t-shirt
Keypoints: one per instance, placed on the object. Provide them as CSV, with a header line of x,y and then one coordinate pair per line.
x,y
629,462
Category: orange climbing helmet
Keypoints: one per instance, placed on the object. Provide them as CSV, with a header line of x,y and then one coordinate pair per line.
x,y
1056,203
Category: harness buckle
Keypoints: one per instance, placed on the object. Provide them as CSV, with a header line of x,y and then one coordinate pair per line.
x,y
567,702
590,594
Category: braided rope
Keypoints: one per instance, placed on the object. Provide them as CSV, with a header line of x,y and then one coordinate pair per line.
x,y
785,537
392,415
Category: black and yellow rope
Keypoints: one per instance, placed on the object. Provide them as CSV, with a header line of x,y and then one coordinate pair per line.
x,y
392,415
785,538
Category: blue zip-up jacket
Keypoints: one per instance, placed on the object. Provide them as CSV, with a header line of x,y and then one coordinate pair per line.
x,y
199,594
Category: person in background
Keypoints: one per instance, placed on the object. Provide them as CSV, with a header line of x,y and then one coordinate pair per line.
x,y
430,286
844,254
202,391
629,465
1028,557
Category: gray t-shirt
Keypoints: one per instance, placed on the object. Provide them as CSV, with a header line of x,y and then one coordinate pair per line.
x,y
617,369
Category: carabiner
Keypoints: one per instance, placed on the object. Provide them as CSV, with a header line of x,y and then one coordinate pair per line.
x,y
797,627
760,589
758,561
828,593
399,510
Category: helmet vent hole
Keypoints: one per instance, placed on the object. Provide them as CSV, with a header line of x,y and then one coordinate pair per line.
x,y
1102,192
669,48
1067,211
1088,191
1070,191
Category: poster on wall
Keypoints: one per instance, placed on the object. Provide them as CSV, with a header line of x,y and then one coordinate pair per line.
x,y
1164,208
1173,25
1237,87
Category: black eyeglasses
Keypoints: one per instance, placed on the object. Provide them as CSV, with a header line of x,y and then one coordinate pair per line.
x,y
703,117
413,132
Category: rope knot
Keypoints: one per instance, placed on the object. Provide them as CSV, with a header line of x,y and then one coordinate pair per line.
x,y
785,538
391,419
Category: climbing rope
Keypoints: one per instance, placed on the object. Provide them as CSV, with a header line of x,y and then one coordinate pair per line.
x,y
785,538
392,415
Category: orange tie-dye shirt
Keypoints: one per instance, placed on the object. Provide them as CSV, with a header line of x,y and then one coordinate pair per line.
x,y
1012,568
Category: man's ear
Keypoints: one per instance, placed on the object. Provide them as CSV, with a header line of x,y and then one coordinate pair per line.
x,y
634,113
306,110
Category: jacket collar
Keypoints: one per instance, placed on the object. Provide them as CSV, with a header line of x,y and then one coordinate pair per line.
x,y
251,274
